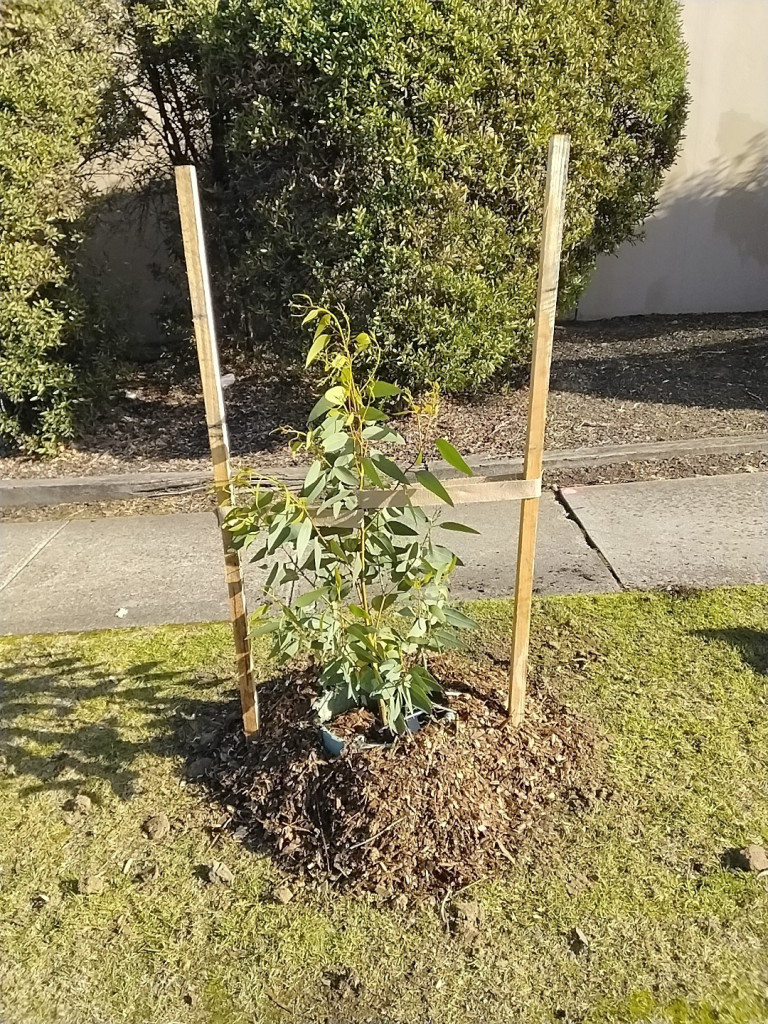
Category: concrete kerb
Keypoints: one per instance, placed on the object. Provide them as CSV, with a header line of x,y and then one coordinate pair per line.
x,y
26,493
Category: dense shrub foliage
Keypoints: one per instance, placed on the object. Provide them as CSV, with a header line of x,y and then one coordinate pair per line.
x,y
53,70
389,154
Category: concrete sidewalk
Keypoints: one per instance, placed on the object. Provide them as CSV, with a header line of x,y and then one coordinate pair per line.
x,y
142,570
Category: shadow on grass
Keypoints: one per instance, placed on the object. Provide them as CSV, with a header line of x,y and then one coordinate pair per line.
x,y
71,726
68,723
751,644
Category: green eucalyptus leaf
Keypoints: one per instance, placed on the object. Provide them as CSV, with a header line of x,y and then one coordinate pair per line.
x,y
428,480
336,395
444,639
458,527
452,457
303,538
380,389
370,414
370,470
439,556
381,602
278,536
338,442
315,476
270,626
322,324
345,476
259,555
310,597
379,432
401,529
458,619
316,348
333,702
320,408
388,468
272,576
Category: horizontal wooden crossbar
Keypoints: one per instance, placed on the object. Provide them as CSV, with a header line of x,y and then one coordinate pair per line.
x,y
461,490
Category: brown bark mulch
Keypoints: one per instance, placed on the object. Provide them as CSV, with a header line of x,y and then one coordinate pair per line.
x,y
429,814
614,381
635,379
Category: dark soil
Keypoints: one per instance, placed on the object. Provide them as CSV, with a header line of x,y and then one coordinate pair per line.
x,y
613,381
428,814
357,722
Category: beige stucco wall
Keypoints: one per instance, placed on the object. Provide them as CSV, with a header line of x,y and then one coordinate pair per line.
x,y
706,247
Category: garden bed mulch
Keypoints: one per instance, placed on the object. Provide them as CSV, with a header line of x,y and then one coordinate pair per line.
x,y
613,382
429,814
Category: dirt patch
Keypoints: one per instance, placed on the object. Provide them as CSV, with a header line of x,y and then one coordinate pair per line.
x,y
613,381
428,814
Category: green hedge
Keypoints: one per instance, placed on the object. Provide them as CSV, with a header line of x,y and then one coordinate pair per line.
x,y
389,154
53,72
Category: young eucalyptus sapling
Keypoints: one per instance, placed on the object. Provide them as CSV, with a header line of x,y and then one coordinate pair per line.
x,y
371,579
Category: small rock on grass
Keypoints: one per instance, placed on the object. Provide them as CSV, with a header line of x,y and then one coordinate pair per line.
x,y
80,804
467,919
751,858
578,941
199,767
218,873
157,826
90,885
282,894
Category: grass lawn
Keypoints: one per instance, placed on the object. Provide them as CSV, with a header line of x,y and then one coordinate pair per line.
x,y
679,688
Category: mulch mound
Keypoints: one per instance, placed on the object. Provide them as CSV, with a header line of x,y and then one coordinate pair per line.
x,y
429,813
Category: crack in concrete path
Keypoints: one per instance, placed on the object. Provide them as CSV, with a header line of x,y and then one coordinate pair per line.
x,y
22,564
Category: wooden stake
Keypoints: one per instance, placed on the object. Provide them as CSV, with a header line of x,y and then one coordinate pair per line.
x,y
216,418
541,359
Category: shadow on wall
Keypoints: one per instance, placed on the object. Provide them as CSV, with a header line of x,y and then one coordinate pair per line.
x,y
705,248
741,210
126,267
